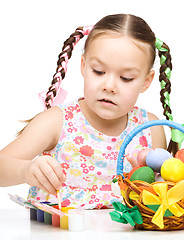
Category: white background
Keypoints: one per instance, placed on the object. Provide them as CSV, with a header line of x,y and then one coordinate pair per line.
x,y
31,37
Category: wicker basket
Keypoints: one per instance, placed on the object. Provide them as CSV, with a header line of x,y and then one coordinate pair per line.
x,y
171,222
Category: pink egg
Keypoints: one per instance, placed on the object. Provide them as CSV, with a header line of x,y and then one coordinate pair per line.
x,y
141,156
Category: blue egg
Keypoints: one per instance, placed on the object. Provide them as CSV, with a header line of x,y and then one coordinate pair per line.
x,y
156,157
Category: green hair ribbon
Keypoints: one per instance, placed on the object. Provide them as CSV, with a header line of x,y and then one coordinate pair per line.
x,y
158,45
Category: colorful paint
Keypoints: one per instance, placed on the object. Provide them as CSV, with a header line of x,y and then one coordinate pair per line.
x,y
64,219
56,218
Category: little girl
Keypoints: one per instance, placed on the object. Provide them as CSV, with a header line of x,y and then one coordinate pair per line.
x,y
74,147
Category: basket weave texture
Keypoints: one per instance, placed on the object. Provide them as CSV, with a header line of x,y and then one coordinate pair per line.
x,y
170,222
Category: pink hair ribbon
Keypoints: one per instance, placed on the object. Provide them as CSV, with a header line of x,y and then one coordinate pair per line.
x,y
60,97
86,30
61,93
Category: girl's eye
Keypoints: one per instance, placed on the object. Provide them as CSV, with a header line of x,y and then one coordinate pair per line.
x,y
126,79
98,72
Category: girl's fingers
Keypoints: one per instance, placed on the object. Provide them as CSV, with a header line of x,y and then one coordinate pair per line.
x,y
51,176
38,184
44,181
132,161
57,169
46,173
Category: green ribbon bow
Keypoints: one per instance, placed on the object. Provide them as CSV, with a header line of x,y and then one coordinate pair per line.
x,y
129,215
177,136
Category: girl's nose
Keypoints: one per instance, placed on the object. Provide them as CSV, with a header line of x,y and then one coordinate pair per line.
x,y
110,84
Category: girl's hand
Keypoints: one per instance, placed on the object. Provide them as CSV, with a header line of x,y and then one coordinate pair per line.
x,y
132,161
44,172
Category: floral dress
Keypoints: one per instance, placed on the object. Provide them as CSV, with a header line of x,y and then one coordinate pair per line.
x,y
89,159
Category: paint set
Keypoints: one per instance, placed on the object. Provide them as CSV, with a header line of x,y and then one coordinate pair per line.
x,y
50,214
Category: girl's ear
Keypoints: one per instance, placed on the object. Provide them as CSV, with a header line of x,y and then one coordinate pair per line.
x,y
148,81
82,64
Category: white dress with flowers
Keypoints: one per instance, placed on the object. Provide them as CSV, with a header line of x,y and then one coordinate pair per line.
x,y
89,159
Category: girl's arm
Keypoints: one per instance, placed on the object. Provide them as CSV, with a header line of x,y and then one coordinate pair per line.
x,y
157,134
19,162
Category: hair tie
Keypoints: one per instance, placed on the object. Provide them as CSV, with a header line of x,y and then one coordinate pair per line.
x,y
86,30
158,45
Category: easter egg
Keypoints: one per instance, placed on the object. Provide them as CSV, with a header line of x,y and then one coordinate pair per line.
x,y
132,171
180,155
172,170
156,157
141,156
145,174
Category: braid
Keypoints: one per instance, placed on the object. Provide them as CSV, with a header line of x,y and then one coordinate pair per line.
x,y
164,78
62,62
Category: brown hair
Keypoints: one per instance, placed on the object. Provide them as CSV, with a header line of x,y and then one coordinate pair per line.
x,y
126,25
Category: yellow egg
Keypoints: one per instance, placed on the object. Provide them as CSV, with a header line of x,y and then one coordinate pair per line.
x,y
172,170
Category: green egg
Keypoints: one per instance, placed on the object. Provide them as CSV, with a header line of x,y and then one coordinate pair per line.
x,y
145,174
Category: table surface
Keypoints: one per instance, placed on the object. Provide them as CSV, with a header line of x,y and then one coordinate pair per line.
x,y
16,224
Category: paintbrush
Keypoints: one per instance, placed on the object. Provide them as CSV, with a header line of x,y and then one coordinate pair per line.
x,y
59,199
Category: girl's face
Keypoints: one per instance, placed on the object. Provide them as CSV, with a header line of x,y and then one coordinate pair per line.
x,y
115,71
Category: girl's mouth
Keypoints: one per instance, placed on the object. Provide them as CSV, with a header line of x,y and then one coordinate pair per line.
x,y
108,101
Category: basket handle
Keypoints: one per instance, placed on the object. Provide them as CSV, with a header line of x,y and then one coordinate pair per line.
x,y
138,129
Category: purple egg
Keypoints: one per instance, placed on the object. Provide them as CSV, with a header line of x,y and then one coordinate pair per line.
x,y
156,157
